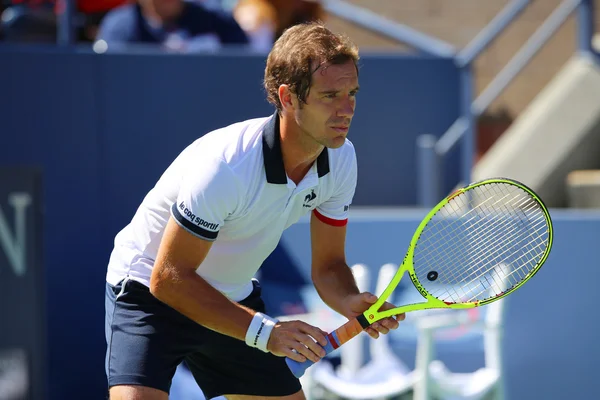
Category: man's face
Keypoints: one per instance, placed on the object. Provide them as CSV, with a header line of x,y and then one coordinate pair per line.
x,y
329,108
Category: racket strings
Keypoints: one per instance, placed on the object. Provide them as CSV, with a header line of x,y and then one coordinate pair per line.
x,y
476,244
508,284
479,230
466,291
483,242
470,273
446,234
506,279
479,246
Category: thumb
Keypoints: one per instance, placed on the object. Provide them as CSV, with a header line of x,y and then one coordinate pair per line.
x,y
368,297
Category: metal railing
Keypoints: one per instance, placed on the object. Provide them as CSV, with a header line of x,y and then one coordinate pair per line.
x,y
391,29
431,150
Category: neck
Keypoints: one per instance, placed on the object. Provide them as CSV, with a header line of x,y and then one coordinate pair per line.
x,y
299,152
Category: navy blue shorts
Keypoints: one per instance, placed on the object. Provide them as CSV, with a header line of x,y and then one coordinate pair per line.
x,y
147,340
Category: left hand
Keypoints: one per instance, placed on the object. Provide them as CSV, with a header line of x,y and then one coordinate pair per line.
x,y
359,303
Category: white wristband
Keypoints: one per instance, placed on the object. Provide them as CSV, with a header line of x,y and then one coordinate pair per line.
x,y
259,331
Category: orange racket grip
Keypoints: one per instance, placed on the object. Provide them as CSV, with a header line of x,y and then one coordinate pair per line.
x,y
334,340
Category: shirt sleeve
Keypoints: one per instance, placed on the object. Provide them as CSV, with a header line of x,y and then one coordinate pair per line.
x,y
207,196
335,210
117,26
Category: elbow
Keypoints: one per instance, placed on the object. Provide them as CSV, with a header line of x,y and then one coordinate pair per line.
x,y
318,275
324,270
161,283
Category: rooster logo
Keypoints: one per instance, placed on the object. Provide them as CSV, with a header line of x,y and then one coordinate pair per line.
x,y
309,198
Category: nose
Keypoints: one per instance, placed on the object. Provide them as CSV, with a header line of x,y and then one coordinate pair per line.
x,y
346,108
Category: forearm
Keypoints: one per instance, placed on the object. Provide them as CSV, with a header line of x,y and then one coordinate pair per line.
x,y
195,298
334,283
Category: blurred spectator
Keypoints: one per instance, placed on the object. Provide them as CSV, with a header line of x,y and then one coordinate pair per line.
x,y
36,20
28,23
265,20
94,12
175,24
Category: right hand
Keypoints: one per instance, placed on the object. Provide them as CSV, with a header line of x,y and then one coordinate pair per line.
x,y
297,335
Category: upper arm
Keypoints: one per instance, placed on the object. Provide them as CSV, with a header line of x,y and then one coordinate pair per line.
x,y
179,252
329,219
328,243
208,195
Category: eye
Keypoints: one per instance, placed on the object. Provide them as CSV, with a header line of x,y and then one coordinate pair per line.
x,y
331,95
353,93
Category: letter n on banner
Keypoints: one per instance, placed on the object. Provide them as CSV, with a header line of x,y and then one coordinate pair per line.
x,y
22,314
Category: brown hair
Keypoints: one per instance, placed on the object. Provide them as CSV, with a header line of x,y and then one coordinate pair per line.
x,y
298,53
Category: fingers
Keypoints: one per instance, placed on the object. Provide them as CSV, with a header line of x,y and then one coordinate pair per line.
x,y
298,341
294,355
298,352
389,324
372,332
384,326
307,347
315,332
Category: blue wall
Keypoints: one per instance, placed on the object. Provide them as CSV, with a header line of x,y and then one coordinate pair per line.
x,y
102,128
551,329
115,106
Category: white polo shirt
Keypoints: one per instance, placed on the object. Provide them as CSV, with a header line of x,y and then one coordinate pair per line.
x,y
230,187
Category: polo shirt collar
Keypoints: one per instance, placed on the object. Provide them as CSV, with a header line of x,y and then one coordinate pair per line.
x,y
273,159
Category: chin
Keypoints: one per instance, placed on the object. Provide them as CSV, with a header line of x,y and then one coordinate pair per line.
x,y
336,143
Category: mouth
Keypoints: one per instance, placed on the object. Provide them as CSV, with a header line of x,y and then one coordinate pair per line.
x,y
340,129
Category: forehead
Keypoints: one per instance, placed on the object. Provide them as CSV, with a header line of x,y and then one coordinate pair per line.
x,y
335,75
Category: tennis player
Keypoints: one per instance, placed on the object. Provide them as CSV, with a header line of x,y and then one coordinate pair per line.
x,y
180,280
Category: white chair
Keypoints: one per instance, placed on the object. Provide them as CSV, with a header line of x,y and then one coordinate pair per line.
x,y
320,315
435,381
383,377
386,376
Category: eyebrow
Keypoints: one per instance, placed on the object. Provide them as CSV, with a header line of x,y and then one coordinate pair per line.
x,y
356,89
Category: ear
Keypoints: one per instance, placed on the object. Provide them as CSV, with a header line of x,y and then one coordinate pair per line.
x,y
286,97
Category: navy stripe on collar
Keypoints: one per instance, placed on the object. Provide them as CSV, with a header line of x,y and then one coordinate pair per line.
x,y
273,159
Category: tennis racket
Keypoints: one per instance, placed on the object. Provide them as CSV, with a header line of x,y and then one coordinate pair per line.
x,y
476,246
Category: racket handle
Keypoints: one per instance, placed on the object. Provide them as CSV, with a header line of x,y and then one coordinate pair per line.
x,y
334,340
298,368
